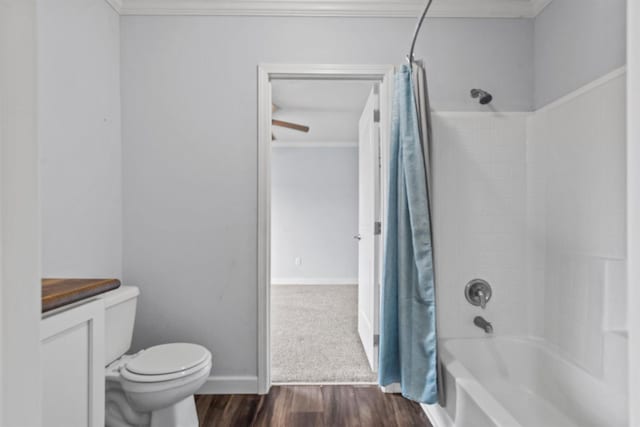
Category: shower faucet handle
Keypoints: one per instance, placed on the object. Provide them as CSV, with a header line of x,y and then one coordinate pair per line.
x,y
478,292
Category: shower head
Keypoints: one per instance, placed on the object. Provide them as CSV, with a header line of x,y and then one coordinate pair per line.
x,y
484,97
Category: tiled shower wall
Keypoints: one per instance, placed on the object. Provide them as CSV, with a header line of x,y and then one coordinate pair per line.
x,y
576,217
534,204
479,217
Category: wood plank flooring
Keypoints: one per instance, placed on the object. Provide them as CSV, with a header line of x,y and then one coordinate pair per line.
x,y
311,406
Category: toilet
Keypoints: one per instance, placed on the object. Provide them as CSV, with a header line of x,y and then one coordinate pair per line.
x,y
153,387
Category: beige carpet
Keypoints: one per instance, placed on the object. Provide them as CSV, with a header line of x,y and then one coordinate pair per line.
x,y
314,336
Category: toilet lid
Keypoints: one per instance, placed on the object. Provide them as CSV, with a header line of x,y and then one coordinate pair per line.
x,y
167,359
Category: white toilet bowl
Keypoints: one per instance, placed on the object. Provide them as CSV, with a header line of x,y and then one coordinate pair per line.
x,y
153,387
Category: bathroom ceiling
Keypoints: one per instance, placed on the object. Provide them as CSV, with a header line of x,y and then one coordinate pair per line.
x,y
320,95
331,109
388,8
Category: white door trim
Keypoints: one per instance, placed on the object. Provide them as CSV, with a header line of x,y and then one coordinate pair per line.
x,y
368,242
633,206
266,73
20,287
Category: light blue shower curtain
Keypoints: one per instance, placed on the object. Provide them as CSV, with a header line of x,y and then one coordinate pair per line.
x,y
408,317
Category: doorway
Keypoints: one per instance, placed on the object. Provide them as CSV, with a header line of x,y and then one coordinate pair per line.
x,y
374,130
324,180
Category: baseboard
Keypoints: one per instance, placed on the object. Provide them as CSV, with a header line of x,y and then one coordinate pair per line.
x,y
230,385
437,415
315,281
393,388
324,383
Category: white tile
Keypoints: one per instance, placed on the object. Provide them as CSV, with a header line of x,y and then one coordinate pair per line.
x,y
575,224
480,208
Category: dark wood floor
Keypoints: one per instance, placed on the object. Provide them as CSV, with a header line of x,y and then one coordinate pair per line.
x,y
311,406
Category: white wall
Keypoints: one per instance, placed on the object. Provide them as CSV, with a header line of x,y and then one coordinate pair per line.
x,y
314,215
80,138
189,88
576,42
577,201
479,219
20,372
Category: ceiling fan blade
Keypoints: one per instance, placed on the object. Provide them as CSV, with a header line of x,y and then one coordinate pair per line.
x,y
290,125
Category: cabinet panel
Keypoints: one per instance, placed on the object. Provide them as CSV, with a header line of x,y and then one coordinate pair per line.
x,y
73,367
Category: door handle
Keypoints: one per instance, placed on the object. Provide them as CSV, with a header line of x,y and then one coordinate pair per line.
x,y
357,237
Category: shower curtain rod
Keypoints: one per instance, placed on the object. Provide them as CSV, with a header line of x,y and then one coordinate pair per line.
x,y
415,34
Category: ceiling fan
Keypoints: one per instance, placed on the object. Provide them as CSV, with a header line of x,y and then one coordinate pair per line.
x,y
284,124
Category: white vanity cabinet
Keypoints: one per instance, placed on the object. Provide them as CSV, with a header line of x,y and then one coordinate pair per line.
x,y
72,342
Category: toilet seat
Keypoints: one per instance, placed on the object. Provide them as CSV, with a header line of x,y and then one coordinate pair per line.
x,y
167,358
165,362
133,377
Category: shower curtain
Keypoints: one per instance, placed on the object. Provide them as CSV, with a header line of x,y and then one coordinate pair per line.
x,y
408,341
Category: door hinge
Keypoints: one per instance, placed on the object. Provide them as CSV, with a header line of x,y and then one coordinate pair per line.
x,y
376,339
376,116
377,228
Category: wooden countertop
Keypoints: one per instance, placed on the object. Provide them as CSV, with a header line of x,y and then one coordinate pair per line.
x,y
59,292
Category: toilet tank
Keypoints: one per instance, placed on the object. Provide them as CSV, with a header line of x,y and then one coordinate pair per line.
x,y
120,315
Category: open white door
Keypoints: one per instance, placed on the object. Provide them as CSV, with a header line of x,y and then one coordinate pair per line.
x,y
369,226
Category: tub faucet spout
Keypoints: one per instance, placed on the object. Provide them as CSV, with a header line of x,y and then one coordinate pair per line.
x,y
481,323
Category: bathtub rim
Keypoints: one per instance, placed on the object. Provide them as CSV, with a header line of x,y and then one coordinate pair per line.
x,y
475,390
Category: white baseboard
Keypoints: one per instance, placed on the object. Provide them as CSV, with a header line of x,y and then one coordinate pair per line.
x,y
321,383
230,385
437,415
393,388
314,281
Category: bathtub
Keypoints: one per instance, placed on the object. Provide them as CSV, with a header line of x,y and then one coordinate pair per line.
x,y
513,382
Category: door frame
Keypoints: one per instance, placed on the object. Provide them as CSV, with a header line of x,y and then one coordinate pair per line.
x,y
20,286
267,73
633,206
368,337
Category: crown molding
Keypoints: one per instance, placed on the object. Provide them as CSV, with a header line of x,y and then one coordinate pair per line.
x,y
344,8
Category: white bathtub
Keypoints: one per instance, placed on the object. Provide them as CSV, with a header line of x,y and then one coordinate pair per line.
x,y
512,382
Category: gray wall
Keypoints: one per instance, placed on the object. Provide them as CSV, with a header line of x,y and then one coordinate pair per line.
x,y
314,215
577,41
189,96
80,138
